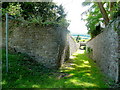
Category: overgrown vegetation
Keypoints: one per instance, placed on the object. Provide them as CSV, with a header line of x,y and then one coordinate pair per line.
x,y
78,72
89,50
35,13
99,15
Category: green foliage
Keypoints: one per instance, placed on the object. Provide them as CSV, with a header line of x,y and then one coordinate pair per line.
x,y
38,13
89,50
14,9
95,32
116,10
63,22
26,73
94,16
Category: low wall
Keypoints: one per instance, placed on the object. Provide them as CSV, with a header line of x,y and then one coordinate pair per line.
x,y
106,50
47,45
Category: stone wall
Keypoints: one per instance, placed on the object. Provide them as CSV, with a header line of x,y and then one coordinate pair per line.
x,y
47,45
106,50
73,45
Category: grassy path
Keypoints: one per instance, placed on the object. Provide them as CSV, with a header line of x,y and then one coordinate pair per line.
x,y
78,72
84,72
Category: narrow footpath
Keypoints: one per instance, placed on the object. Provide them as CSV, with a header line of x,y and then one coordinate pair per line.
x,y
83,72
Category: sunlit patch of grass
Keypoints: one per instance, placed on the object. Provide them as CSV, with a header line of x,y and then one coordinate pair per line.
x,y
79,83
35,86
4,82
78,72
86,70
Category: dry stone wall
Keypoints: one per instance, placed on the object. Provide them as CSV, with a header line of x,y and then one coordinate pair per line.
x,y
47,45
106,50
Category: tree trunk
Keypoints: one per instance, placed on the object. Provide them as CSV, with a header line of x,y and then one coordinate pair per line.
x,y
103,12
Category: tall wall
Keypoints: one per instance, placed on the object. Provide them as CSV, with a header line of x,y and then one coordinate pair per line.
x,y
73,45
47,45
106,50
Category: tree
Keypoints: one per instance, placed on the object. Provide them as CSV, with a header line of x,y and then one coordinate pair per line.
x,y
103,12
99,13
42,13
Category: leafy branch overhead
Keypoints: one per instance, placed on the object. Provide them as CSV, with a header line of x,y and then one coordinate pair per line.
x,y
99,15
41,13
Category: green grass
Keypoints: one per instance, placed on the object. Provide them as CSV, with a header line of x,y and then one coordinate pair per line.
x,y
80,72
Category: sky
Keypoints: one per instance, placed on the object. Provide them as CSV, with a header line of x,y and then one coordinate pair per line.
x,y
74,9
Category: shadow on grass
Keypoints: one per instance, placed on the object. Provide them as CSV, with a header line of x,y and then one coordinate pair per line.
x,y
79,72
84,72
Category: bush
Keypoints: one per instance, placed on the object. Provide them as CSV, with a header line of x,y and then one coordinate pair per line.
x,y
36,13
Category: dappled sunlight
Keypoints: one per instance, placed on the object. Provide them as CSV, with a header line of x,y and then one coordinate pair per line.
x,y
85,66
72,57
83,84
78,72
89,84
4,82
78,61
70,68
75,81
79,52
86,62
86,73
35,86
79,83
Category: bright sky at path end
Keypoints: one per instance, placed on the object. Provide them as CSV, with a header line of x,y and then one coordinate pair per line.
x,y
74,9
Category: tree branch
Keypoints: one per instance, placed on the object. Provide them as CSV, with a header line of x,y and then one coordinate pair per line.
x,y
103,12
